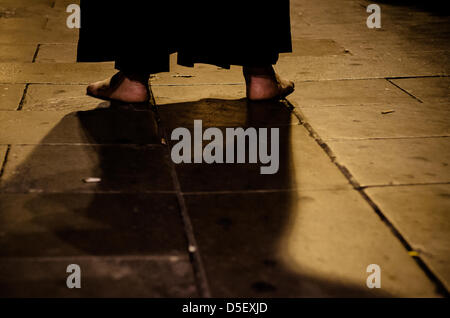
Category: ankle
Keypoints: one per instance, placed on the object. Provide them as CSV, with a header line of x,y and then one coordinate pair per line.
x,y
264,70
137,77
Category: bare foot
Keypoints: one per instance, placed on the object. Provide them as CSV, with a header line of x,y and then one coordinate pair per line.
x,y
129,88
263,83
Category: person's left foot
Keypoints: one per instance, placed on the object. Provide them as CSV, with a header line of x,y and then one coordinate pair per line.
x,y
129,88
263,83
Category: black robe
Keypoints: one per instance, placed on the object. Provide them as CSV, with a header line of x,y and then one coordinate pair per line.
x,y
140,35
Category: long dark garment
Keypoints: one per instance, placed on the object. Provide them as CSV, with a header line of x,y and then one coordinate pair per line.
x,y
140,35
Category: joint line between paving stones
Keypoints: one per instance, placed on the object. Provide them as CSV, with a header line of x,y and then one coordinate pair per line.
x,y
199,84
91,191
384,138
239,83
153,84
5,158
439,285
36,53
22,100
418,76
403,185
198,267
240,191
405,91
138,257
124,145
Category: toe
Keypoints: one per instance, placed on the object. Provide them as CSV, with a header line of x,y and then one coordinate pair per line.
x,y
90,89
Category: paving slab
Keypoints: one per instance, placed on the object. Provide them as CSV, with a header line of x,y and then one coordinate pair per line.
x,y
341,20
305,244
341,31
85,73
58,33
395,161
63,168
11,53
220,112
94,224
379,121
109,277
339,12
348,93
200,74
55,73
302,164
312,68
432,89
407,43
315,47
57,53
96,126
33,126
424,27
394,46
166,94
33,30
400,31
421,214
10,96
58,26
59,98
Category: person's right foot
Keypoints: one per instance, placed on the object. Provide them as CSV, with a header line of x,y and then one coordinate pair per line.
x,y
121,87
263,84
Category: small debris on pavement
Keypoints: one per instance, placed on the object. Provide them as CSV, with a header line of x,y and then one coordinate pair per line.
x,y
163,141
413,253
35,190
192,249
384,112
92,180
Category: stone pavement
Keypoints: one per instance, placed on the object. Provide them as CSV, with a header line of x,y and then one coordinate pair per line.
x,y
363,179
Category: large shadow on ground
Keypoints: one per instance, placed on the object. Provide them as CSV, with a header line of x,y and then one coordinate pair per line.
x,y
238,215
